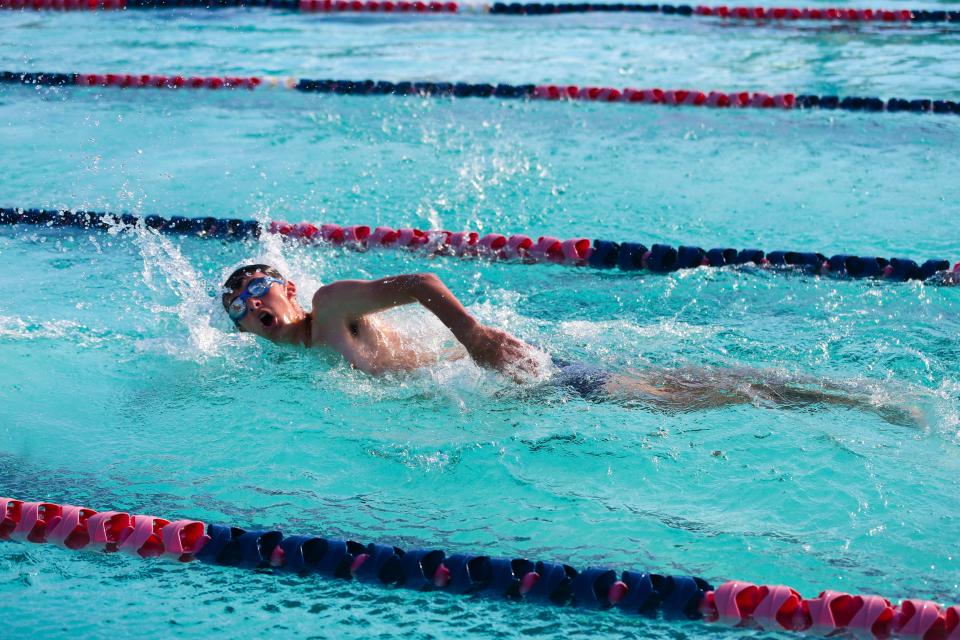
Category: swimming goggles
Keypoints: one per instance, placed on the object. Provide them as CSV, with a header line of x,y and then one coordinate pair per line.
x,y
256,288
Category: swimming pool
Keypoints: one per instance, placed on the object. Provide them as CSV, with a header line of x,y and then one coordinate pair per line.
x,y
124,387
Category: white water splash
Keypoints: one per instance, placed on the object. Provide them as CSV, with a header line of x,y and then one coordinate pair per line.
x,y
166,270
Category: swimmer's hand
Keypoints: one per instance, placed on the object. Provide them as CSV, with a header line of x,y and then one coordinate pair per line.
x,y
498,350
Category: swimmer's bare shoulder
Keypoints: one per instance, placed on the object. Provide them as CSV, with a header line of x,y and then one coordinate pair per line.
x,y
330,314
341,320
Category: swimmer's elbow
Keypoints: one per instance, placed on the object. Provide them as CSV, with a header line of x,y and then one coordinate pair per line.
x,y
423,285
425,278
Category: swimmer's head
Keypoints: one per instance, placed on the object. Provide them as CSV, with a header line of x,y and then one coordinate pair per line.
x,y
260,300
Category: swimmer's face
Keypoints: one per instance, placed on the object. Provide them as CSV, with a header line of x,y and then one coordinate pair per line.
x,y
269,315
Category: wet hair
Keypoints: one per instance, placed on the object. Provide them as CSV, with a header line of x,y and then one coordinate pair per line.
x,y
236,279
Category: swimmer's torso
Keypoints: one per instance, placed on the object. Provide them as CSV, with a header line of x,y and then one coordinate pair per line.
x,y
369,343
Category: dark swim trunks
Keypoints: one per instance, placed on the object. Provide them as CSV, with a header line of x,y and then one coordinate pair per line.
x,y
587,380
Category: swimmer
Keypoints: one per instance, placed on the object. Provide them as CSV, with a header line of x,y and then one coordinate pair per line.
x,y
261,301
344,317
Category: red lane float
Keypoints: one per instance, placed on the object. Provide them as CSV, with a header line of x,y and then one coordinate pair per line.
x,y
574,251
70,530
674,97
181,539
142,81
29,520
373,6
779,608
144,537
81,528
793,13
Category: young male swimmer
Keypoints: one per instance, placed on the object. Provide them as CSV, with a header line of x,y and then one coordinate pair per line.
x,y
344,318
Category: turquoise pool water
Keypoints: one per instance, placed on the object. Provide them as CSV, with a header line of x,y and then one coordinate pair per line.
x,y
122,385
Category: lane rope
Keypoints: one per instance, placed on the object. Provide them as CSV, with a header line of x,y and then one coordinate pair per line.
x,y
746,14
675,97
577,251
733,603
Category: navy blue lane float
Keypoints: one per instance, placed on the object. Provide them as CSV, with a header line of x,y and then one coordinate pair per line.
x,y
598,254
628,95
733,603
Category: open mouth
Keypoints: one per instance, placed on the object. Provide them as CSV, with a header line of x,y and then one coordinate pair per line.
x,y
266,318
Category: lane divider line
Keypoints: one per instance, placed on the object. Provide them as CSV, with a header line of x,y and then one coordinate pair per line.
x,y
746,14
673,97
577,251
733,603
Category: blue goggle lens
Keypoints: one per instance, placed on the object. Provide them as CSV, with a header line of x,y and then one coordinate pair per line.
x,y
256,288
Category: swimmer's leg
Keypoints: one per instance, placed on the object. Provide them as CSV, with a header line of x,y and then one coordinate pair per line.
x,y
682,390
790,395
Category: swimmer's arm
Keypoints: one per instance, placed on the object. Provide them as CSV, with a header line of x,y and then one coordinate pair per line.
x,y
352,299
489,347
